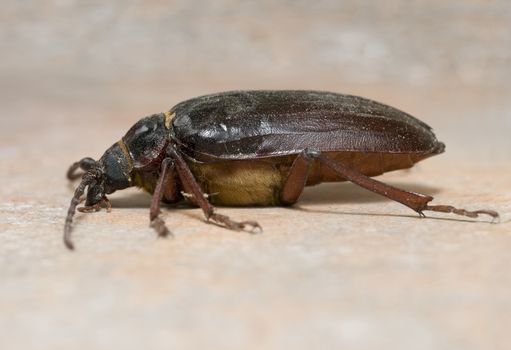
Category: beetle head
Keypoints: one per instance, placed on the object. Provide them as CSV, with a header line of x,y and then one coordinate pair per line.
x,y
110,173
143,147
93,178
116,166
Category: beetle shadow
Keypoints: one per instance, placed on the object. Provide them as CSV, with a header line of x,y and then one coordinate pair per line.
x,y
139,199
327,193
333,193
131,200
411,215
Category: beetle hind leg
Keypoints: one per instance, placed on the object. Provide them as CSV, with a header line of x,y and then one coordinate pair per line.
x,y
416,201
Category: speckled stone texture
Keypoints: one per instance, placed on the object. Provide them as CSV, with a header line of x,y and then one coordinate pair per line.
x,y
342,269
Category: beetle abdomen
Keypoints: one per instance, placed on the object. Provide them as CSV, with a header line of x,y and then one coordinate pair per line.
x,y
260,181
241,183
259,124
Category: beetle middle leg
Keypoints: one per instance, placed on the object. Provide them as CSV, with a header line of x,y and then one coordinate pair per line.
x,y
191,186
297,177
298,174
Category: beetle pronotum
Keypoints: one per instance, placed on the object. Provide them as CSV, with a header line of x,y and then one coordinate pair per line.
x,y
259,148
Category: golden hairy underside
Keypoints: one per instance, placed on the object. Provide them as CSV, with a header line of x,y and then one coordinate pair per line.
x,y
241,183
259,182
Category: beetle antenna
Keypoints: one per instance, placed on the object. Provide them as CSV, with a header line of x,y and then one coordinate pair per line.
x,y
85,164
87,179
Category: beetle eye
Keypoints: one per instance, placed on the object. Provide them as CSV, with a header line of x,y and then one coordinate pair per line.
x,y
146,140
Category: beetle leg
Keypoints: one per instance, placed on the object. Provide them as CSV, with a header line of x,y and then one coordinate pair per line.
x,y
191,186
167,167
297,176
416,201
97,206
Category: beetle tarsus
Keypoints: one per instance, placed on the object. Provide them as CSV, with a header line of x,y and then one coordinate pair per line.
x,y
97,206
159,226
69,243
471,214
249,226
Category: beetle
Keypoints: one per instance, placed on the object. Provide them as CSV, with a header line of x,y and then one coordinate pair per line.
x,y
258,148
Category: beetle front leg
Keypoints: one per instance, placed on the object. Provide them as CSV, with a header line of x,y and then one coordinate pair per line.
x,y
97,206
191,186
167,168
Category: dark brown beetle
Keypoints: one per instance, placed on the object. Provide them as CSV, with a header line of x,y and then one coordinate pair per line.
x,y
259,148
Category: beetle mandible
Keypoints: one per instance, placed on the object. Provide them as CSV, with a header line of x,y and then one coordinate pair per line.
x,y
262,148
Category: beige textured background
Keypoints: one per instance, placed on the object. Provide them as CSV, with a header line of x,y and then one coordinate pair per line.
x,y
344,269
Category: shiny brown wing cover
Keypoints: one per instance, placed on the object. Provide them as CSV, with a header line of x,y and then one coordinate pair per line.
x,y
264,123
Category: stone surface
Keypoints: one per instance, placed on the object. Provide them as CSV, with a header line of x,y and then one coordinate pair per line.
x,y
343,269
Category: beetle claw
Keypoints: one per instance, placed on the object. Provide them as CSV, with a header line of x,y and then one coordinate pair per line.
x,y
160,227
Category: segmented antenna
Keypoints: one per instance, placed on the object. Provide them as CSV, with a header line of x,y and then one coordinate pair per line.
x,y
87,179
